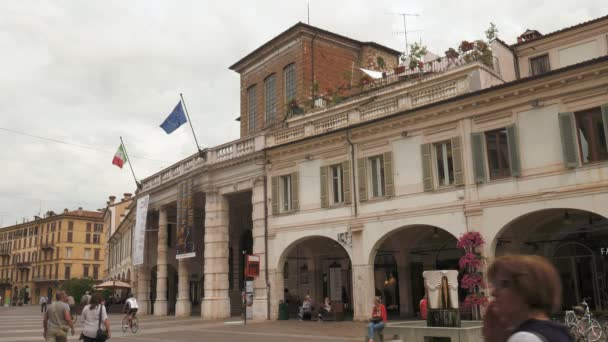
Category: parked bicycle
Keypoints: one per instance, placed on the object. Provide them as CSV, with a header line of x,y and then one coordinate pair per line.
x,y
584,328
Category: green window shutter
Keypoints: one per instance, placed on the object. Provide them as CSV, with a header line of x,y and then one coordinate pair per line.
x,y
457,161
275,195
324,188
514,162
347,181
389,183
566,128
427,167
605,118
362,178
479,160
295,193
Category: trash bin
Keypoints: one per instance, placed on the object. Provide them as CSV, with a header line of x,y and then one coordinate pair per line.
x,y
283,311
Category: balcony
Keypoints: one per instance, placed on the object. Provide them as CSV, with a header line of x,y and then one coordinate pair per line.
x,y
47,245
5,251
24,265
5,282
42,279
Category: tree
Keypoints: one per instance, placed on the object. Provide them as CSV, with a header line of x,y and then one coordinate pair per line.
x,y
416,56
76,287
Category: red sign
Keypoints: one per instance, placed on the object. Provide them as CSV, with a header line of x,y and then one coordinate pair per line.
x,y
252,266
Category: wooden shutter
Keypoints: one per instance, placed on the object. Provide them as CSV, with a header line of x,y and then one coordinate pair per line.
x,y
346,181
275,195
566,128
362,178
427,167
295,193
513,145
479,162
605,118
389,183
457,160
324,187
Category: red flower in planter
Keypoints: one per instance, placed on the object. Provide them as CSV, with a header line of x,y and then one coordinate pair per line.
x,y
470,239
469,281
469,260
475,299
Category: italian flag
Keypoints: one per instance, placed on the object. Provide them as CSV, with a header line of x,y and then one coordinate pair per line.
x,y
120,157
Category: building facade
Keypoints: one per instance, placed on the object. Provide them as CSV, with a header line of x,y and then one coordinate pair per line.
x,y
38,256
119,219
356,197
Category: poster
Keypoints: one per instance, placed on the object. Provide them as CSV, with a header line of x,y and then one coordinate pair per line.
x,y
185,219
139,234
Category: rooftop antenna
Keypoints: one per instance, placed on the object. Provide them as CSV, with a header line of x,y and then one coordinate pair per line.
x,y
308,11
405,31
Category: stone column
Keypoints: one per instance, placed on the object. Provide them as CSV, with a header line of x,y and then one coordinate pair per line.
x,y
183,307
143,289
276,288
216,303
363,291
405,288
260,296
160,304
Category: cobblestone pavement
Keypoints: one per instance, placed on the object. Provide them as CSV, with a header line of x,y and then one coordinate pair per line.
x,y
25,324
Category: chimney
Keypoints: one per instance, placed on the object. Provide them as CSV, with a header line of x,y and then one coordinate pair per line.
x,y
112,199
80,211
127,196
65,211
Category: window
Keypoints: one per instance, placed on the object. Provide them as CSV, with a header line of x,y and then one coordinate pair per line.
x,y
96,238
289,79
444,163
56,271
70,225
44,271
88,227
591,135
270,97
70,236
98,227
337,184
251,107
68,252
87,253
87,238
67,274
377,175
85,271
497,147
286,193
97,253
95,272
539,65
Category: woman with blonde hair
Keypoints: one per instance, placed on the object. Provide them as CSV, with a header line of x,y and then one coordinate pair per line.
x,y
526,289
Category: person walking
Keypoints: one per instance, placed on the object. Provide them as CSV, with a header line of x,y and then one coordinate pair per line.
x,y
95,318
42,302
72,304
526,290
85,299
378,320
57,320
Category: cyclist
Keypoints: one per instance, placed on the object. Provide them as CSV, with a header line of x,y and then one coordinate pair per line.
x,y
130,308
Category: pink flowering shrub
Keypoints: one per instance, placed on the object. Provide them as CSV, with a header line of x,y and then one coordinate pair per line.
x,y
475,299
469,281
470,240
469,261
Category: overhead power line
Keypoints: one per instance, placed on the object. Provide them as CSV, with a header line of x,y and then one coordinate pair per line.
x,y
76,145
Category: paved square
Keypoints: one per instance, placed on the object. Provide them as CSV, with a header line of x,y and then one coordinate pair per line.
x,y
25,324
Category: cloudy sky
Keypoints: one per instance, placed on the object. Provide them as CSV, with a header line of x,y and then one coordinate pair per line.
x,y
80,74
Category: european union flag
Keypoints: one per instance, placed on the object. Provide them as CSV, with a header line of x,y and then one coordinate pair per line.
x,y
175,119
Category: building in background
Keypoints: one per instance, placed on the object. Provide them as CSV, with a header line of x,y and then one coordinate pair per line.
x,y
38,256
114,219
357,192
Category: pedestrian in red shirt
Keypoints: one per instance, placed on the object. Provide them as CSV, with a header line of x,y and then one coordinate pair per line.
x,y
378,320
423,308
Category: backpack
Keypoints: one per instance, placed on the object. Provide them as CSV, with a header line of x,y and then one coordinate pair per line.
x,y
547,331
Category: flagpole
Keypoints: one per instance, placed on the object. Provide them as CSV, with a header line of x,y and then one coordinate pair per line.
x,y
129,161
200,152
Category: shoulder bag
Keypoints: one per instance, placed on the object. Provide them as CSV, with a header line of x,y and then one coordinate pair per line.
x,y
102,335
63,329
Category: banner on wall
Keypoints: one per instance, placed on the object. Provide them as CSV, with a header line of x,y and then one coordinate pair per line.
x,y
139,234
185,219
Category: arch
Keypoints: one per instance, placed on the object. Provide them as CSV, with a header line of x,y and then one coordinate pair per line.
x,y
425,228
298,241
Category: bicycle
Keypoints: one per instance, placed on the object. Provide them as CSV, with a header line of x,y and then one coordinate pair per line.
x,y
134,323
586,328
